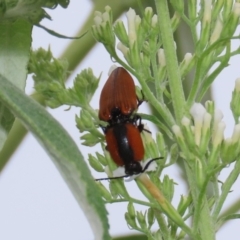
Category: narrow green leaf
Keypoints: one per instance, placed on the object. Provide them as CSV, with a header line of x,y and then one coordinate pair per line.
x,y
63,152
15,42
59,35
223,220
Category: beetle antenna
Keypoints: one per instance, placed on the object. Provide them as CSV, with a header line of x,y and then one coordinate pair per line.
x,y
110,178
147,165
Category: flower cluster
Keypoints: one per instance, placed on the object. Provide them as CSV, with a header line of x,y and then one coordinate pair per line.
x,y
139,42
202,140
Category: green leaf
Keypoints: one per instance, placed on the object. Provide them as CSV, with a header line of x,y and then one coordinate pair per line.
x,y
15,42
223,220
63,152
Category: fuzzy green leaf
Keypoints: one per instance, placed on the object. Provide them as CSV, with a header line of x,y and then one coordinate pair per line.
x,y
63,152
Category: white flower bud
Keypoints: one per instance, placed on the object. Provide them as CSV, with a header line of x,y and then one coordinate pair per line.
x,y
177,131
185,121
131,15
197,111
122,48
187,57
97,20
161,57
217,31
106,17
108,8
148,10
154,20
218,136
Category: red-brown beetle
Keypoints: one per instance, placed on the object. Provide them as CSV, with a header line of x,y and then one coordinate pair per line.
x,y
118,99
125,146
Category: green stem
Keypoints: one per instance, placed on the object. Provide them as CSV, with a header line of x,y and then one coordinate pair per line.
x,y
130,199
162,224
235,207
192,16
209,80
205,226
173,71
157,81
226,189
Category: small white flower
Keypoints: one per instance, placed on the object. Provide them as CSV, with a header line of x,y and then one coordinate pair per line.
x,y
217,30
218,136
132,36
197,111
97,20
187,58
108,8
185,121
154,20
177,131
122,48
148,10
161,57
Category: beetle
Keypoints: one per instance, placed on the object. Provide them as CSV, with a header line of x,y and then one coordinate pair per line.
x,y
125,146
118,99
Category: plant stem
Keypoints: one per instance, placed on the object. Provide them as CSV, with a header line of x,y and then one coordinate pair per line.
x,y
205,226
166,207
226,189
162,224
174,76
